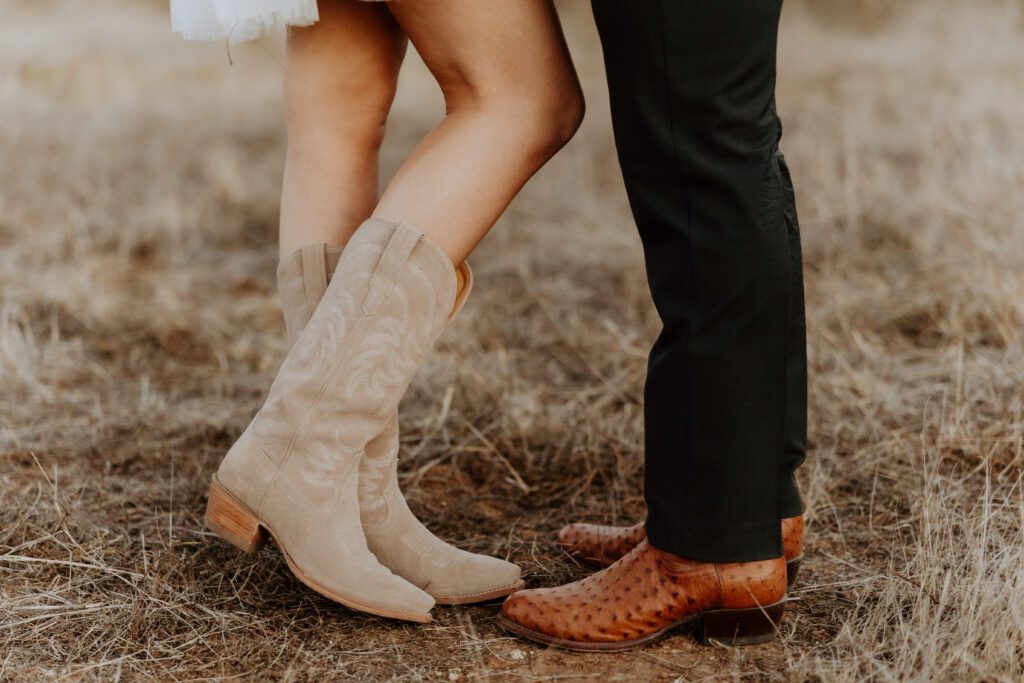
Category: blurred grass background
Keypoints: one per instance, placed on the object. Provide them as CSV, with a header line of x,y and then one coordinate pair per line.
x,y
139,181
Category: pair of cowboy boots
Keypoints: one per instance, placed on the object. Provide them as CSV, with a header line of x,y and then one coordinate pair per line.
x,y
316,469
642,593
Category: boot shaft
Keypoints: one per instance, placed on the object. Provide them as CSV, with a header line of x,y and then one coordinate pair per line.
x,y
304,275
391,297
302,279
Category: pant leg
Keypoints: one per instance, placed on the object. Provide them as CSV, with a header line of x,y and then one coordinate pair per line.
x,y
795,428
692,88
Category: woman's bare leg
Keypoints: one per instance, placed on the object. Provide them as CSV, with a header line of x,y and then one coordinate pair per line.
x,y
340,82
512,98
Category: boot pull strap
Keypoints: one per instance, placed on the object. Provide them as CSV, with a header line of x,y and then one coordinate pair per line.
x,y
464,275
314,272
392,261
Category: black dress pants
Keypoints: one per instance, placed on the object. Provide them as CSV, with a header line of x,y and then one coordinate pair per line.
x,y
692,86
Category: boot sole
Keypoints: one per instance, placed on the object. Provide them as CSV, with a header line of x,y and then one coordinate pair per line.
x,y
720,627
483,596
792,569
234,522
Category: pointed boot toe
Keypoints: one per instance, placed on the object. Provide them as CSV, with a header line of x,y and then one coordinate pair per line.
x,y
476,578
450,575
520,608
569,536
396,595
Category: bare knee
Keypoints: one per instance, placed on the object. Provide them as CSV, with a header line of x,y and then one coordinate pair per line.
x,y
541,116
546,116
559,115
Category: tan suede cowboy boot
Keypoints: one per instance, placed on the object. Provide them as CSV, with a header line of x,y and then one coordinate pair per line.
x,y
601,545
398,539
293,474
647,593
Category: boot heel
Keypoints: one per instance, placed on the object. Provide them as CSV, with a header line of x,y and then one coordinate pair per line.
x,y
227,517
742,626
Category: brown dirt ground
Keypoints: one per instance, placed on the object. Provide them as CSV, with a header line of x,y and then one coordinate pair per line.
x,y
139,330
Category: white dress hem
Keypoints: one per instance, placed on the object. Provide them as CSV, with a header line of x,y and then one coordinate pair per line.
x,y
239,20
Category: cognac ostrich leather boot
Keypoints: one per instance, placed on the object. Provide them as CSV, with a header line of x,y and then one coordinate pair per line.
x,y
397,538
600,545
293,474
647,593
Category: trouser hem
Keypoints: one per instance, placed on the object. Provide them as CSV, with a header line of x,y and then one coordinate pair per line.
x,y
750,544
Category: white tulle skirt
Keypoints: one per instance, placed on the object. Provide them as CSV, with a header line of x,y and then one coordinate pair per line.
x,y
239,20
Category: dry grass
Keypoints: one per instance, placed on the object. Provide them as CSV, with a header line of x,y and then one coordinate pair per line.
x,y
138,330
